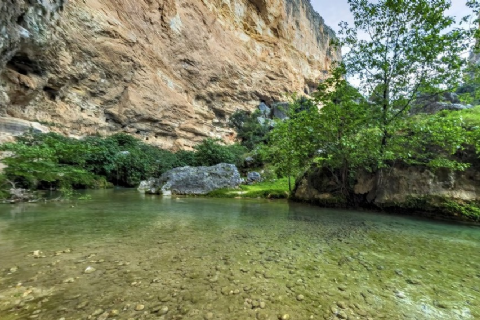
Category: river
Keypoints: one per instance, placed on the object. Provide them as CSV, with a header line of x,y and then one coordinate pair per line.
x,y
124,255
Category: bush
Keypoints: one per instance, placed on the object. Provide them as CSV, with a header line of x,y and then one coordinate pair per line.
x,y
250,131
210,153
49,160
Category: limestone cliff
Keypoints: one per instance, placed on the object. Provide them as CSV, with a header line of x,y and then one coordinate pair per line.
x,y
169,71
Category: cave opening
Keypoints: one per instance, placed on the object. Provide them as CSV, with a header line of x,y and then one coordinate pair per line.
x,y
22,64
51,93
21,19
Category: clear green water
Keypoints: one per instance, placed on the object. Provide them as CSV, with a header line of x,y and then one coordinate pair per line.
x,y
195,258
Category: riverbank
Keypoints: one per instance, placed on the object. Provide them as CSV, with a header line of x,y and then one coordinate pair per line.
x,y
414,190
274,189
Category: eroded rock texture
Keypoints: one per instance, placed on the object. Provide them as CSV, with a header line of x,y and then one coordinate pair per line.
x,y
169,71
193,180
414,189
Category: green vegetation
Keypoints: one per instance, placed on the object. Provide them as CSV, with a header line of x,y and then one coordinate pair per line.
x,y
292,142
250,131
210,152
52,161
410,49
274,189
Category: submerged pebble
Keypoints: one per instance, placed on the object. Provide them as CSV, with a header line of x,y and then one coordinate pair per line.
x,y
89,270
239,268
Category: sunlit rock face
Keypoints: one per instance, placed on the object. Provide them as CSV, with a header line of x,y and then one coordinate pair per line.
x,y
167,71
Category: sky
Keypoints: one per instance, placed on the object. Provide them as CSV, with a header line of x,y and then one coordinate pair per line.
x,y
334,11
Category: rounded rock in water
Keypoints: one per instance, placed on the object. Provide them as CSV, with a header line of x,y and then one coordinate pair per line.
x,y
89,270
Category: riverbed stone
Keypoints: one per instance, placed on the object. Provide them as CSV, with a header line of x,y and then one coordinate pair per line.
x,y
97,312
414,281
342,315
82,305
300,297
89,270
163,310
139,307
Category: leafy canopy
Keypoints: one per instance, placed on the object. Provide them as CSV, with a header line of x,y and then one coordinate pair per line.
x,y
408,48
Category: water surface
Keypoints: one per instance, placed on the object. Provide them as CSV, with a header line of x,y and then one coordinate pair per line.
x,y
123,255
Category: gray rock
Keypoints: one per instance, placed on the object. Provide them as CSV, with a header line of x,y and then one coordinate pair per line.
x,y
253,177
249,161
451,97
264,109
437,103
280,110
194,180
439,106
149,186
89,270
266,122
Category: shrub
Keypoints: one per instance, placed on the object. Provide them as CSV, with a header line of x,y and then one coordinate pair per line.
x,y
210,152
49,160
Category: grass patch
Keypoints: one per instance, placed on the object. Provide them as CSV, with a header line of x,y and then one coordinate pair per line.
x,y
277,189
471,116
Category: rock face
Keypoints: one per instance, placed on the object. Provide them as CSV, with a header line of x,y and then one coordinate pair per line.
x,y
194,180
415,188
11,127
168,71
431,105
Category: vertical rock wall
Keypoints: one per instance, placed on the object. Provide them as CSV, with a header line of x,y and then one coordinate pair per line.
x,y
169,71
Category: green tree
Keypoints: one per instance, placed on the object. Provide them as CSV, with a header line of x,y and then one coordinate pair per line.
x,y
250,131
293,142
411,47
47,160
348,132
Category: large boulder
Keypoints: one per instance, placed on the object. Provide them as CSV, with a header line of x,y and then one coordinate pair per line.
x,y
194,180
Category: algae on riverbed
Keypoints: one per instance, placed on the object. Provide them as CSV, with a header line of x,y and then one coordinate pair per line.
x,y
197,258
